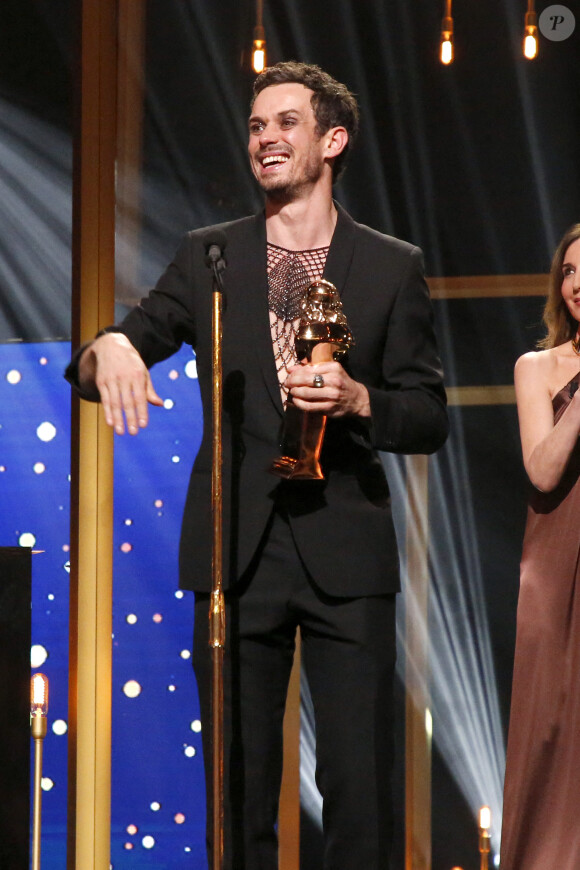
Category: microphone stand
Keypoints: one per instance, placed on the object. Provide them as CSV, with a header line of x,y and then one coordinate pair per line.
x,y
217,617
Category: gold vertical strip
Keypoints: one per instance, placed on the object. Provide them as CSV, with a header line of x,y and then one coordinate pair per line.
x,y
92,444
417,736
289,815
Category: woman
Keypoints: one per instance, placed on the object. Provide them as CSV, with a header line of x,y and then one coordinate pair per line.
x,y
541,820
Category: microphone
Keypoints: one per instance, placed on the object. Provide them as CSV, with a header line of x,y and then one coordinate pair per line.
x,y
215,242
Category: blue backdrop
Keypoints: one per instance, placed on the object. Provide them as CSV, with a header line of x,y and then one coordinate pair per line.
x,y
158,802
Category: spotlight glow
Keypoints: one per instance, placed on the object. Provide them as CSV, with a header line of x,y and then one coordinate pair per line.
x,y
467,727
428,724
35,190
309,795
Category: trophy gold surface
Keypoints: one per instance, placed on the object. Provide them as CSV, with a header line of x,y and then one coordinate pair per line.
x,y
323,335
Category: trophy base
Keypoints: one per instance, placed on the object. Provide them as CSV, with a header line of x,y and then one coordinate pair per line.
x,y
289,468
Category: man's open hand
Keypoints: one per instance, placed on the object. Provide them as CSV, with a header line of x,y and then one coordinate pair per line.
x,y
114,367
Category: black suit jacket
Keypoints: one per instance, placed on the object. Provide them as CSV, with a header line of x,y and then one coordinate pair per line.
x,y
342,525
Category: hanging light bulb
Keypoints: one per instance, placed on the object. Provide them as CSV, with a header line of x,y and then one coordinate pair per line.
x,y
446,45
259,46
531,32
259,50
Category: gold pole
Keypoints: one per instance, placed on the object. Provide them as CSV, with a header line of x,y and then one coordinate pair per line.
x,y
217,633
90,653
39,727
418,736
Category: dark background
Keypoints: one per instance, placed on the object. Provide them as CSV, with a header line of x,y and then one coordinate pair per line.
x,y
478,163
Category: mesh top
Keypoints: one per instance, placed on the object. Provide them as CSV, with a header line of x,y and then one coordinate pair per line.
x,y
290,273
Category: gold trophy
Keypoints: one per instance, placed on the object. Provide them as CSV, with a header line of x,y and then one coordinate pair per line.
x,y
323,335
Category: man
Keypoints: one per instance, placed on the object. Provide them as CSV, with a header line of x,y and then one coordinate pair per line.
x,y
321,555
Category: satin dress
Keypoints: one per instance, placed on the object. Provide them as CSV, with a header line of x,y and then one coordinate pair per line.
x,y
541,815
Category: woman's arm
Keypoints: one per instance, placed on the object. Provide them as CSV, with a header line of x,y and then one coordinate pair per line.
x,y
546,447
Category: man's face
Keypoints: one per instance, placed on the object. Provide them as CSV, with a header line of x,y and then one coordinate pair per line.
x,y
286,152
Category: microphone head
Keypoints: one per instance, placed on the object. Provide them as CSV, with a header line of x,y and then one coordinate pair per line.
x,y
215,242
215,239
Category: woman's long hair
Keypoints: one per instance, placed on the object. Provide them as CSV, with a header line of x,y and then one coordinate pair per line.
x,y
560,324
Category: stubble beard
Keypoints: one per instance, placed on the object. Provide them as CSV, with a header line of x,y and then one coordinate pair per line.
x,y
282,191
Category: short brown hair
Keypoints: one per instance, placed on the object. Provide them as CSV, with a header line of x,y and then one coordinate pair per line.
x,y
332,103
557,319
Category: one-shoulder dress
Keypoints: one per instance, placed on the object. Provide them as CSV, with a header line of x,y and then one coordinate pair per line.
x,y
541,814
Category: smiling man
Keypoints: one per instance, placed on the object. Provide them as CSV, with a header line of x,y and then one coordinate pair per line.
x,y
287,148
319,554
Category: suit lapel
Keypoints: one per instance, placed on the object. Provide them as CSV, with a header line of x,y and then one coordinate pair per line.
x,y
256,327
341,252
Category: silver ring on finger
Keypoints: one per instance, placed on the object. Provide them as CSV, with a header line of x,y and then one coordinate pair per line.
x,y
318,381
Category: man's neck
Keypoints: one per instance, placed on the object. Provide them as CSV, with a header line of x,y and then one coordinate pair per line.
x,y
301,225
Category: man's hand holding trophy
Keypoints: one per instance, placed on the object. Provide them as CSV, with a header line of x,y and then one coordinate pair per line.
x,y
323,335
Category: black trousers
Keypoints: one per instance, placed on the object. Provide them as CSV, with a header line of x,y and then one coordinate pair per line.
x,y
348,652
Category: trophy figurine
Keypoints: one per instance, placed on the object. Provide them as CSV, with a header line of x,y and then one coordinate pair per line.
x,y
322,335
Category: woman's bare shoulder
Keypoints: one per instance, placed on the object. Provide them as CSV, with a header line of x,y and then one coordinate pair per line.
x,y
536,362
550,369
